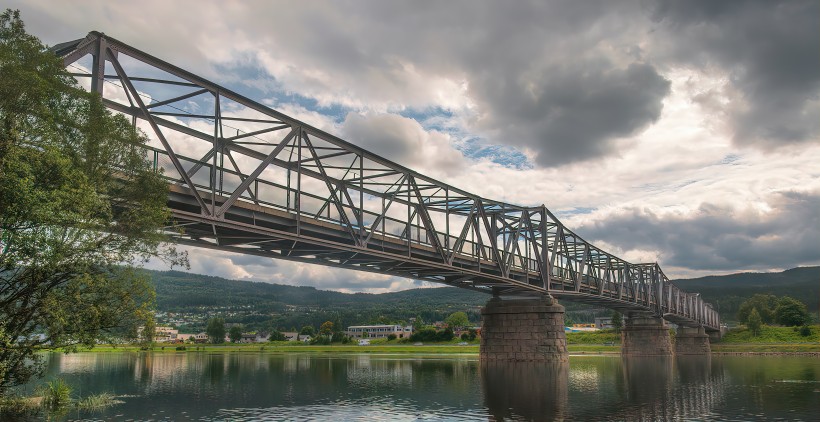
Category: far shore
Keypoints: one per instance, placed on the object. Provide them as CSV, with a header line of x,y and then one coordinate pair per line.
x,y
433,349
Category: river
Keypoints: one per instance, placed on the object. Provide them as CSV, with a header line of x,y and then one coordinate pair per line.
x,y
266,386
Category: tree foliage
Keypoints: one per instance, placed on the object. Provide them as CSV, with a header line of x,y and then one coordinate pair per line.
x,y
326,329
235,333
764,304
754,322
457,320
77,200
791,312
617,321
216,330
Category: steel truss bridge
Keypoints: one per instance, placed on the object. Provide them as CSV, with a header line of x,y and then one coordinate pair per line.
x,y
249,179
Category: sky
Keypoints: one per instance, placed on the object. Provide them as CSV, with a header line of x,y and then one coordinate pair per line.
x,y
680,132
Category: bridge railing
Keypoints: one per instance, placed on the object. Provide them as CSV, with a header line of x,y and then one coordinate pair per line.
x,y
377,215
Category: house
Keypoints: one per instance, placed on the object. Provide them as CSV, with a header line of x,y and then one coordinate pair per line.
x,y
378,331
603,323
290,335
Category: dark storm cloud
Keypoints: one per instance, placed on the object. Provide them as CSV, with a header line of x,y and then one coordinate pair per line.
x,y
772,51
573,112
722,238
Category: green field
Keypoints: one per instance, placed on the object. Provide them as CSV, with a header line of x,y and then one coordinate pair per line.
x,y
769,334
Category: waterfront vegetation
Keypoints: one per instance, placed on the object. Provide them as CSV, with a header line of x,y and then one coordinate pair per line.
x,y
54,398
771,339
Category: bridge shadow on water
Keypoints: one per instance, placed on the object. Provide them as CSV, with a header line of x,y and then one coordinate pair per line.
x,y
646,388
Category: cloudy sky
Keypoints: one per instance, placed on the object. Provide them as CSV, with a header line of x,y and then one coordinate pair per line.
x,y
682,132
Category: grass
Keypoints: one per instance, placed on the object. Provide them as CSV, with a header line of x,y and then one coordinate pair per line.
x,y
97,401
766,348
770,334
55,393
594,337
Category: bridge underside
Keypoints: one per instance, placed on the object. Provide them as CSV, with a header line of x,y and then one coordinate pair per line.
x,y
249,179
267,232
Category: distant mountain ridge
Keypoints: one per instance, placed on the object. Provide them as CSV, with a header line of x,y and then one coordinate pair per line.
x,y
179,291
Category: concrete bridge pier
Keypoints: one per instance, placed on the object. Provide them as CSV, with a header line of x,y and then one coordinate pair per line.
x,y
692,341
523,330
645,335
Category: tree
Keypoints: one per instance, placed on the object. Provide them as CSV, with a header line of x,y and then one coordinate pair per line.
x,y
148,332
754,322
791,312
216,330
764,304
457,320
77,201
276,335
235,333
326,329
418,323
617,321
308,330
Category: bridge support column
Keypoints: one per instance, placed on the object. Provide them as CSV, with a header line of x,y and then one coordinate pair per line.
x,y
692,341
645,335
523,330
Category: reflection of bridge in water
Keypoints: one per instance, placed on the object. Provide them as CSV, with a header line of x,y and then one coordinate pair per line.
x,y
631,389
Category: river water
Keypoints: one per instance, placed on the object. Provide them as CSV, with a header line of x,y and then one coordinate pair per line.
x,y
265,386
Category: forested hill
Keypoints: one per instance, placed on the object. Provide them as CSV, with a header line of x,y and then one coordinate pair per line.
x,y
180,291
176,290
727,292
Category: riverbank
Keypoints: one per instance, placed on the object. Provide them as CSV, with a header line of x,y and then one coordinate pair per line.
x,y
445,349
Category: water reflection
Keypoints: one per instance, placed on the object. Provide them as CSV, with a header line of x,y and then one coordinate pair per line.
x,y
528,391
254,386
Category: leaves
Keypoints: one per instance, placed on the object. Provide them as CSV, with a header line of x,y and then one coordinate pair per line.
x,y
77,201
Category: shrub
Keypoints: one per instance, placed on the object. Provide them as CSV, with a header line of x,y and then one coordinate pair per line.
x,y
56,394
181,348
391,337
805,331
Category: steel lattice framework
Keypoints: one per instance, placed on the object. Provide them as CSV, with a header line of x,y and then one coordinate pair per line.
x,y
249,179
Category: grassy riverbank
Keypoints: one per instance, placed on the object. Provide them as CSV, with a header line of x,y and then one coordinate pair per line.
x,y
770,340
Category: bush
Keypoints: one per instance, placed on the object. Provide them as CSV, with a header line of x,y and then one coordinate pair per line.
x,y
56,394
181,348
805,331
391,337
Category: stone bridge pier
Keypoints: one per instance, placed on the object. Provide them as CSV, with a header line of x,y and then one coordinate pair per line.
x,y
645,335
692,341
523,330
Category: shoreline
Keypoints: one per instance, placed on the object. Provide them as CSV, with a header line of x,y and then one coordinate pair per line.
x,y
734,349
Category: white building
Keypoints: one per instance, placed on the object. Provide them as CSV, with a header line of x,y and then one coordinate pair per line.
x,y
378,331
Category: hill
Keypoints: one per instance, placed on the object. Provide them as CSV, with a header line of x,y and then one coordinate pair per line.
x,y
192,298
727,292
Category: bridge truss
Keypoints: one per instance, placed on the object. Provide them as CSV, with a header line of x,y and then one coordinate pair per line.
x,y
249,179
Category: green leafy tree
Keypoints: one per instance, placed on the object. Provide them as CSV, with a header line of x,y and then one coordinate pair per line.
x,y
77,201
791,312
326,329
764,304
307,330
418,323
754,322
277,335
148,332
457,320
235,333
617,321
216,330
